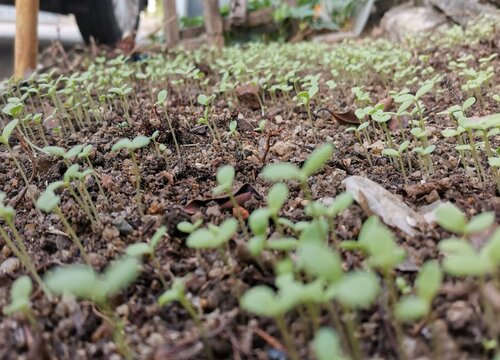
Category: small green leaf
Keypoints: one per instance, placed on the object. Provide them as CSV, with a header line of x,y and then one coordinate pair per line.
x,y
54,150
119,275
424,89
259,221
78,280
317,159
281,171
277,197
429,280
411,308
450,218
468,103
260,300
455,246
480,223
140,142
225,177
122,144
7,131
319,261
161,97
48,201
358,289
202,99
326,345
467,265
390,152
139,249
283,244
158,235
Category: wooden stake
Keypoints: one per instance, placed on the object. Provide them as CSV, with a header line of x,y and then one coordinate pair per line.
x,y
170,22
213,23
26,41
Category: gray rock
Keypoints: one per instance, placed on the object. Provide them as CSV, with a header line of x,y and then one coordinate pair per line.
x,y
462,11
406,19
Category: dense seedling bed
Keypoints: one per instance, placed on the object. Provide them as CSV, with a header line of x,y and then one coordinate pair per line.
x,y
203,205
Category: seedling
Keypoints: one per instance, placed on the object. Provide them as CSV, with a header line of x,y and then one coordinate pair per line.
x,y
178,293
427,285
7,213
451,218
357,132
454,111
207,101
304,98
20,294
289,171
494,163
233,126
326,345
148,249
425,150
4,139
187,227
122,93
85,155
49,202
399,155
84,283
261,127
225,178
132,146
161,99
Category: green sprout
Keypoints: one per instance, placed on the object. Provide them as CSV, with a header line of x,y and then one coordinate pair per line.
x,y
4,139
7,213
357,132
20,294
289,171
84,283
451,218
122,93
132,146
494,163
85,153
225,178
304,98
177,293
326,345
399,155
207,101
148,249
48,202
261,127
427,285
233,126
161,99
187,227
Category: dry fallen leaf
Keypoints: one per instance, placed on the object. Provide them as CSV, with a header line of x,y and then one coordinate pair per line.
x,y
389,207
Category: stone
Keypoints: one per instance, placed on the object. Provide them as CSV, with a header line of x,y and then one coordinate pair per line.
x,y
462,11
406,19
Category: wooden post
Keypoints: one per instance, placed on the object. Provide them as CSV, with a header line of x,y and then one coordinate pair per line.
x,y
213,23
238,13
26,41
170,22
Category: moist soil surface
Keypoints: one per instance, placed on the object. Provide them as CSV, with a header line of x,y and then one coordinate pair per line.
x,y
67,328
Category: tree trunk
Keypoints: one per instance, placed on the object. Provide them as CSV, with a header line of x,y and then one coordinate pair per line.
x,y
170,23
26,41
213,23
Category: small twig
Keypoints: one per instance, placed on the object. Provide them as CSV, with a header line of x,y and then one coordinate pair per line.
x,y
15,201
270,135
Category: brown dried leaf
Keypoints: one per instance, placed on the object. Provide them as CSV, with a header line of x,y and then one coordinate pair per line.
x,y
245,193
390,208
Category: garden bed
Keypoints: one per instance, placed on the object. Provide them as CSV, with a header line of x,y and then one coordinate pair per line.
x,y
284,102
